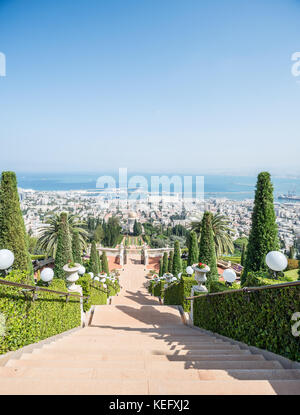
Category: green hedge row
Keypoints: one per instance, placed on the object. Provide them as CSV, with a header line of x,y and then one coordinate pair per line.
x,y
259,318
93,289
158,289
112,287
176,294
151,287
28,321
259,278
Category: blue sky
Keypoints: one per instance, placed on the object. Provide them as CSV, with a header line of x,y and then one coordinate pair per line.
x,y
172,85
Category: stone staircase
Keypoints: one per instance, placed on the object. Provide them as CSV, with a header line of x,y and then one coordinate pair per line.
x,y
144,349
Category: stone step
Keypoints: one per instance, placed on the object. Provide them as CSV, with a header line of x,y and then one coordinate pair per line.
x,y
95,373
148,364
158,374
149,334
158,355
27,386
253,374
136,332
97,347
77,363
214,365
164,387
130,340
124,354
225,387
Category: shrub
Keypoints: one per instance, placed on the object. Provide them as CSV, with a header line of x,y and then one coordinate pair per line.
x,y
37,257
172,294
176,294
151,286
94,289
220,286
30,321
259,318
260,278
292,264
112,287
158,289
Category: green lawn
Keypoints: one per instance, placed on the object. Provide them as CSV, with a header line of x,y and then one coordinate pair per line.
x,y
233,259
292,274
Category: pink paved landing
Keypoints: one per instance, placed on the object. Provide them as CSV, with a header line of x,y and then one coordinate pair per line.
x,y
133,282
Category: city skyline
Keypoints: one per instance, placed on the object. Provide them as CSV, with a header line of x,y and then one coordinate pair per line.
x,y
164,87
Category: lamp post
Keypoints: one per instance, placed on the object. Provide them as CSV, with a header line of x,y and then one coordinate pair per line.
x,y
229,276
6,260
276,261
189,270
81,270
47,275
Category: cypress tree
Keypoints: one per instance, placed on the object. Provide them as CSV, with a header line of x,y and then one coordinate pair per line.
x,y
160,267
99,263
165,263
193,249
292,252
177,264
76,247
94,263
64,246
12,229
104,262
170,262
243,255
263,236
207,251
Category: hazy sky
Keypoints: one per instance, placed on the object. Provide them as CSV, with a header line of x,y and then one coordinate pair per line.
x,y
152,85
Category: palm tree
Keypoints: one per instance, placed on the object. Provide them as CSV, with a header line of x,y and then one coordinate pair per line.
x,y
48,233
222,233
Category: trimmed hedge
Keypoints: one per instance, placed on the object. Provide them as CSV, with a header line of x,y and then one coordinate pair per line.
x,y
151,287
259,278
260,318
172,294
175,295
94,289
158,289
28,321
292,264
113,288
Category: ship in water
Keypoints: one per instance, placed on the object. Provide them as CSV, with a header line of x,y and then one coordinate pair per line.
x,y
290,197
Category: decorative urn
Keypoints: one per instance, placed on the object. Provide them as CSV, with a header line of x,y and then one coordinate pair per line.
x,y
200,276
72,276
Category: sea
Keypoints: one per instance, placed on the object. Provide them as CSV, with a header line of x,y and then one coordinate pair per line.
x,y
215,186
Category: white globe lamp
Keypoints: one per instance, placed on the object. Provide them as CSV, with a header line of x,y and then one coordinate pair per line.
x,y
96,279
47,274
81,270
229,275
276,261
91,274
6,259
189,270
